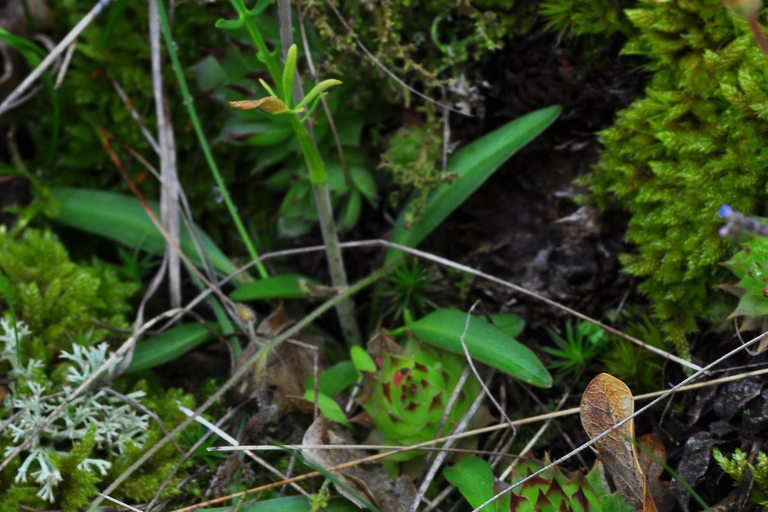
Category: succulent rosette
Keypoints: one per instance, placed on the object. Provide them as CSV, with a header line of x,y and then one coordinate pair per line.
x,y
406,396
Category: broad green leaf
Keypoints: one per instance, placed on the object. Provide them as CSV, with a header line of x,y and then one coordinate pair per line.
x,y
123,219
362,359
350,211
486,343
290,504
167,346
335,379
283,286
473,164
508,323
327,405
474,478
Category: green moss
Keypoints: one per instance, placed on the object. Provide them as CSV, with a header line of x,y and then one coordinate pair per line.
x,y
695,141
57,298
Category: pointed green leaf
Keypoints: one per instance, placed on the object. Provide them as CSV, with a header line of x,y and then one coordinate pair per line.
x,y
362,359
325,84
167,346
474,478
486,343
288,72
328,406
230,24
473,164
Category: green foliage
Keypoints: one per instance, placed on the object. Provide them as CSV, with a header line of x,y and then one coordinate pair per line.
x,y
696,141
601,18
579,347
414,288
412,156
270,150
749,266
639,368
415,39
735,467
55,297
551,491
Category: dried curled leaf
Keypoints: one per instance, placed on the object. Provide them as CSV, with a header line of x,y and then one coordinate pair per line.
x,y
267,104
606,401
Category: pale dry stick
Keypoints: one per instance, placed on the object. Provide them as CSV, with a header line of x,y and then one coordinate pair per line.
x,y
135,116
439,498
426,444
53,55
65,65
534,439
189,453
484,430
622,422
114,358
441,456
283,447
239,373
450,264
231,440
169,194
382,67
113,500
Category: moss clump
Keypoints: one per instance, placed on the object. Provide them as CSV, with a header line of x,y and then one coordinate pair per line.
x,y
694,142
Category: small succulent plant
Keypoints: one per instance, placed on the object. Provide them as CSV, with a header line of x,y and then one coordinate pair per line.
x,y
407,391
750,267
550,491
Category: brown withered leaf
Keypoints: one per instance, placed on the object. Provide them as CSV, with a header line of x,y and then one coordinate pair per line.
x,y
606,401
267,104
368,480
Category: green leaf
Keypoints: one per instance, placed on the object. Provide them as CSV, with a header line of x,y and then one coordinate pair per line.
x,y
316,90
335,379
123,219
473,164
290,504
486,343
328,406
508,323
288,72
283,286
167,346
473,477
350,211
362,359
230,24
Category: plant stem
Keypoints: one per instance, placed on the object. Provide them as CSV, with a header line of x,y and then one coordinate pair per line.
x,y
188,101
314,161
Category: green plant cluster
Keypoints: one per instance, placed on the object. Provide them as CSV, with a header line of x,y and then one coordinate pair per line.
x,y
749,266
444,35
271,152
695,141
550,491
735,466
591,18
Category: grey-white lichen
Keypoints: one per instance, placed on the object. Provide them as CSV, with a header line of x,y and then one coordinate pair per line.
x,y
32,397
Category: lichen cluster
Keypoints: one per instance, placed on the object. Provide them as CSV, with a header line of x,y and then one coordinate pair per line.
x,y
695,141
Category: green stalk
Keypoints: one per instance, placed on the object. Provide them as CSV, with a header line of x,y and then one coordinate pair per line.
x,y
188,101
315,166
